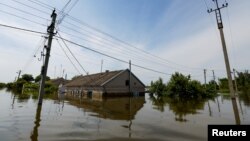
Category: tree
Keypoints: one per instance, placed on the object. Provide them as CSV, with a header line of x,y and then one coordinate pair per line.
x,y
27,77
38,78
223,83
2,85
243,80
177,86
158,87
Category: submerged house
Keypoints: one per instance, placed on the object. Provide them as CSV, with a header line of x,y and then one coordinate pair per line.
x,y
109,83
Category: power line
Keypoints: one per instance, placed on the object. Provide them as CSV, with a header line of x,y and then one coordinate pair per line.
x,y
39,45
112,44
41,11
23,29
123,54
68,57
72,54
127,44
111,56
119,40
23,11
42,4
22,18
64,14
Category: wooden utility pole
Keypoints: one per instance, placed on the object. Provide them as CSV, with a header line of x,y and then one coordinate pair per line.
x,y
235,82
44,69
229,76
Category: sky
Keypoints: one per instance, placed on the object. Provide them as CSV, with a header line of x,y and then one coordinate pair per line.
x,y
165,36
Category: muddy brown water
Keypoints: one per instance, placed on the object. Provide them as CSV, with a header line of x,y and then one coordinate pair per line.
x,y
69,118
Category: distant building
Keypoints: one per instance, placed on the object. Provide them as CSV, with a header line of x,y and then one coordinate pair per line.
x,y
59,81
109,83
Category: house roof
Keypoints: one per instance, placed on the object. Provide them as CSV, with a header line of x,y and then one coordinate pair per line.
x,y
98,79
59,81
94,79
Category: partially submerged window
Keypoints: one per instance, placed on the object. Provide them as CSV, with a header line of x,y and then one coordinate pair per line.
x,y
127,82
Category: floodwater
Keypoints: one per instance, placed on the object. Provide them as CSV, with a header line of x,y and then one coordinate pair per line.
x,y
68,118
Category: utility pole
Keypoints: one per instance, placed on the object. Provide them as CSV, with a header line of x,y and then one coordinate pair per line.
x,y
214,81
19,73
235,82
44,69
205,79
130,76
220,27
101,65
230,82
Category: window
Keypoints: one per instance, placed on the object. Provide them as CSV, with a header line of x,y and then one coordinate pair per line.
x,y
127,82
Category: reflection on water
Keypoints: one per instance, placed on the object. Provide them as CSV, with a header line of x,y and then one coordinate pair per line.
x,y
121,118
34,133
180,107
117,108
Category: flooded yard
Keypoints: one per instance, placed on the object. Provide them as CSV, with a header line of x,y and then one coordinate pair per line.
x,y
126,118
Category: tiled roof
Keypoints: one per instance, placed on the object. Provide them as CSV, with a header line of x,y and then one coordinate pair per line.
x,y
93,80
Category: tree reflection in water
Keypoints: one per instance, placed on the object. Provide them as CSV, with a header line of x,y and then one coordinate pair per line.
x,y
180,107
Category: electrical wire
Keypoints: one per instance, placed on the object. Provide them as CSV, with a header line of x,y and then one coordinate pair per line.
x,y
123,42
23,11
42,4
41,11
123,61
68,57
72,54
8,13
23,29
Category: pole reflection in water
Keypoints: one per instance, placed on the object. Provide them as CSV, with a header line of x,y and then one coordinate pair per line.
x,y
34,133
236,112
130,121
209,109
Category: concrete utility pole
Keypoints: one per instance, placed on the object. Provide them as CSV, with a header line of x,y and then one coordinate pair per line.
x,y
230,82
214,81
44,69
130,76
220,27
235,82
101,65
19,73
205,79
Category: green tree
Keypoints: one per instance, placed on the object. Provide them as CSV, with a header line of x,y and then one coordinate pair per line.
x,y
243,80
158,87
178,85
27,77
2,85
38,78
223,83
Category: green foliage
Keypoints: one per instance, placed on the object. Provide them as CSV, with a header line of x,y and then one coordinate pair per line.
x,y
211,89
243,80
49,87
158,87
181,86
2,85
177,86
38,78
223,83
27,77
